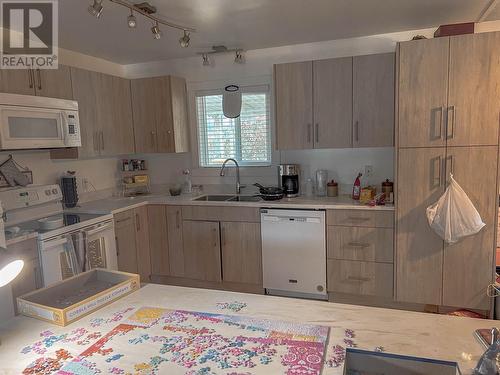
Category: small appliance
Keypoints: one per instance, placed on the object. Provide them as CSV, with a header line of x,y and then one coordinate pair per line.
x,y
289,179
33,122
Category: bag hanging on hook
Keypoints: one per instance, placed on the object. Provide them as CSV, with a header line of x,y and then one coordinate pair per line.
x,y
231,101
454,216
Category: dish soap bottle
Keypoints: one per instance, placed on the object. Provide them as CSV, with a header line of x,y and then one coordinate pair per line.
x,y
356,189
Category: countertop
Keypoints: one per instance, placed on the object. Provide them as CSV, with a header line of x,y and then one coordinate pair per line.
x,y
401,332
115,204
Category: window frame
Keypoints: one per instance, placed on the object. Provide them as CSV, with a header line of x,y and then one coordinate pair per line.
x,y
201,152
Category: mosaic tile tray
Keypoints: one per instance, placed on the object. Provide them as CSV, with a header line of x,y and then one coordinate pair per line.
x,y
162,341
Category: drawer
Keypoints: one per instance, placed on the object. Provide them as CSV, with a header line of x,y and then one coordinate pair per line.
x,y
360,243
361,218
125,218
214,213
362,278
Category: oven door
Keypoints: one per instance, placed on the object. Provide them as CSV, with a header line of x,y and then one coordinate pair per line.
x,y
57,260
101,246
31,128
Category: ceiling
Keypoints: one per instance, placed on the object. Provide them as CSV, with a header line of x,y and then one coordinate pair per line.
x,y
250,24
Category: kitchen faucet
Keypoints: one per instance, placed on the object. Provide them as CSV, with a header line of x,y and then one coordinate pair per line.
x,y
239,186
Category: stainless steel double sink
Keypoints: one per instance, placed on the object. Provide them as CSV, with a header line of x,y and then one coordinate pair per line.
x,y
228,198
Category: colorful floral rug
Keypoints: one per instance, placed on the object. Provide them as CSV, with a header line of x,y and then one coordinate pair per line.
x,y
162,341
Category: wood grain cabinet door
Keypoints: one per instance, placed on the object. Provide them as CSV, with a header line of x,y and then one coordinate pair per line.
x,y
180,123
125,234
373,100
474,90
419,250
293,85
202,259
423,88
332,103
17,81
115,116
469,264
241,252
158,240
142,242
54,83
144,102
175,241
84,83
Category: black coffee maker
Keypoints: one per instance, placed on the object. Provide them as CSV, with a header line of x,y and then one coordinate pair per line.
x,y
289,179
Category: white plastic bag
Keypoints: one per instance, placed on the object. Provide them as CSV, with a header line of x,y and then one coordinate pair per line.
x,y
454,216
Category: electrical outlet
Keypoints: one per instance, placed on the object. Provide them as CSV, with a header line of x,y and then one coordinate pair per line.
x,y
368,170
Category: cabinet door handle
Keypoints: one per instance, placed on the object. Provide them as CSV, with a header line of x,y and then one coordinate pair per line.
x,y
137,222
178,219
30,79
436,172
153,139
358,219
450,125
356,131
117,247
317,133
450,168
358,245
309,128
123,220
223,235
39,76
358,279
215,236
102,140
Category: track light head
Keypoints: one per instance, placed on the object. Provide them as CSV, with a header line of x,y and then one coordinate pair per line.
x,y
238,58
156,31
131,20
96,8
206,61
184,41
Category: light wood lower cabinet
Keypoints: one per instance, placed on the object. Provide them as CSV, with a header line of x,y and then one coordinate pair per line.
x,y
175,240
202,258
362,244
241,252
158,240
132,242
362,278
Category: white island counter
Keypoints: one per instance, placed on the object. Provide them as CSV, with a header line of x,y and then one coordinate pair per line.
x,y
393,331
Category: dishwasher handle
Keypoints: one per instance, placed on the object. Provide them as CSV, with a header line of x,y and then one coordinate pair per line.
x,y
299,219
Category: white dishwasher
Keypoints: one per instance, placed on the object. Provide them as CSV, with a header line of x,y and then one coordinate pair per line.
x,y
294,253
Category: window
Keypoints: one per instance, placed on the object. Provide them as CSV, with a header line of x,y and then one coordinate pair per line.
x,y
246,138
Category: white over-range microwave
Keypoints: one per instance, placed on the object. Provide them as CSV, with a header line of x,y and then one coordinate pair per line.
x,y
31,122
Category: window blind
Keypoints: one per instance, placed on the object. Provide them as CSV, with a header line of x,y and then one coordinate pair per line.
x,y
246,138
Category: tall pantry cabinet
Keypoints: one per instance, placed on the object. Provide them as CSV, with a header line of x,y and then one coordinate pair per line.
x,y
448,110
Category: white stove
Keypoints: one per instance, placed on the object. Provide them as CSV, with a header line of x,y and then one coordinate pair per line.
x,y
68,242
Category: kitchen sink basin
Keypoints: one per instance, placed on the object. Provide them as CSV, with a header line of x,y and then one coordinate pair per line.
x,y
245,198
215,198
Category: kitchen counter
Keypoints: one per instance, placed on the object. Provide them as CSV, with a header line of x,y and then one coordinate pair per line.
x,y
393,331
115,205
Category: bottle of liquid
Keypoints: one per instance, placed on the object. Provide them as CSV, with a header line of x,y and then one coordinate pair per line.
x,y
356,189
188,187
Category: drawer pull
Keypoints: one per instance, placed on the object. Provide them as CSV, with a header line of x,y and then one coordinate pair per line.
x,y
358,245
359,219
123,220
358,279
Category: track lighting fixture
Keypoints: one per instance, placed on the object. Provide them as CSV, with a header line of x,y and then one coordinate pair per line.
x,y
184,41
238,58
156,31
206,61
148,11
131,20
96,8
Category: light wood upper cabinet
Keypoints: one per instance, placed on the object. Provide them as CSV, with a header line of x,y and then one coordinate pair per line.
x,y
468,264
160,114
423,87
202,258
373,104
293,85
333,101
105,111
52,83
241,252
17,81
474,90
419,250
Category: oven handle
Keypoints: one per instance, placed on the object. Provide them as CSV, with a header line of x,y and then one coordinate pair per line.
x,y
53,243
100,228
